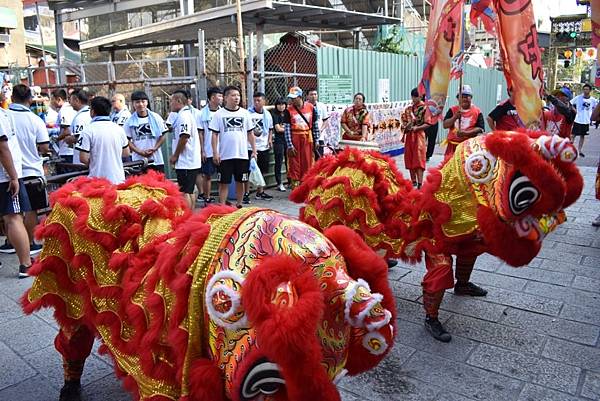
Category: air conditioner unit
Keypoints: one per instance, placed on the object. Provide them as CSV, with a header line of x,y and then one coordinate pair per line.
x,y
4,38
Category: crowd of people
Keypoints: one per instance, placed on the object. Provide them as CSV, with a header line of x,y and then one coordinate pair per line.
x,y
221,141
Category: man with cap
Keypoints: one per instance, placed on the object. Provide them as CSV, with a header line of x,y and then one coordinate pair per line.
x,y
560,114
146,131
301,125
463,121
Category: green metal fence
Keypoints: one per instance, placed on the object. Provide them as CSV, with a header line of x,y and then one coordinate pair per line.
x,y
404,73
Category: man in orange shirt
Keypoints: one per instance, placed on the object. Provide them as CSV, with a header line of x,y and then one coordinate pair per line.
x,y
301,125
464,121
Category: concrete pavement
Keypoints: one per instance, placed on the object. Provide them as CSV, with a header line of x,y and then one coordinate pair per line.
x,y
535,337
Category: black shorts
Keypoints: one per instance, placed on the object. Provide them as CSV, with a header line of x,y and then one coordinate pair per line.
x,y
208,167
17,205
187,180
581,129
36,191
262,160
238,168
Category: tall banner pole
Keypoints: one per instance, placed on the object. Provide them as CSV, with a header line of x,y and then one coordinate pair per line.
x,y
241,53
595,5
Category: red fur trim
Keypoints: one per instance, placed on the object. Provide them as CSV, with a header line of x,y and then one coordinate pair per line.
x,y
502,240
287,335
206,383
362,262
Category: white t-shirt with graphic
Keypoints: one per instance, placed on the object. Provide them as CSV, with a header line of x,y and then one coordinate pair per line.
x,y
206,132
185,124
584,108
232,128
120,117
80,121
7,132
64,120
143,138
258,122
104,141
31,132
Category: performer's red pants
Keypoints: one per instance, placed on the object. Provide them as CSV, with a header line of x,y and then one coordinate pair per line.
x,y
75,345
299,164
439,277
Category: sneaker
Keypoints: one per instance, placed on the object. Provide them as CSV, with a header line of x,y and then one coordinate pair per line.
x,y
246,200
437,331
34,249
7,248
265,196
200,197
258,195
71,391
469,289
281,188
239,206
596,223
23,271
209,200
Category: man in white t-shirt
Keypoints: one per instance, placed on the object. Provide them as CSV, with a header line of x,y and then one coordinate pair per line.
x,y
33,141
59,101
120,113
146,131
13,196
79,99
102,144
584,104
187,154
215,99
263,131
323,118
232,130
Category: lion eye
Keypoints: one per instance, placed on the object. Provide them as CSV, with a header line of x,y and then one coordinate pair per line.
x,y
522,194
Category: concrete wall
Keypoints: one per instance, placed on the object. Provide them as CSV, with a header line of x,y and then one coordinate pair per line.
x,y
14,53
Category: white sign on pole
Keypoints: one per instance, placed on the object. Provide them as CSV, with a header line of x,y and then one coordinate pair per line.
x,y
383,90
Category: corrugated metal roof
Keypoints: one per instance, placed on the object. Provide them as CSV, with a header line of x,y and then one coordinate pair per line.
x,y
219,22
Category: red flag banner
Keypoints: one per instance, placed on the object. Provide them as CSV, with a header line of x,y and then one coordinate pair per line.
x,y
444,39
522,58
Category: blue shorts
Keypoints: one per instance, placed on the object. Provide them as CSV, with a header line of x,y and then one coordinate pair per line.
x,y
14,205
208,167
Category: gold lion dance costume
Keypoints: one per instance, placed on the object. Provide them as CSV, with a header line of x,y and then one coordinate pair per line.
x,y
500,193
242,305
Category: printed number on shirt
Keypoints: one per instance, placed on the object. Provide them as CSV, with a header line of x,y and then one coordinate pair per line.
x,y
77,129
80,141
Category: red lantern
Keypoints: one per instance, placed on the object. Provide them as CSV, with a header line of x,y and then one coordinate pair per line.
x,y
591,52
568,54
579,53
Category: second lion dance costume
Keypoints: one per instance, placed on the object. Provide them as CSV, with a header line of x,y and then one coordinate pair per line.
x,y
500,193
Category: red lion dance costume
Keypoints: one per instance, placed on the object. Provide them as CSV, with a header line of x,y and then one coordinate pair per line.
x,y
499,193
227,304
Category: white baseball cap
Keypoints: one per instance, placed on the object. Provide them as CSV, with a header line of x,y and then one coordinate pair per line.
x,y
467,90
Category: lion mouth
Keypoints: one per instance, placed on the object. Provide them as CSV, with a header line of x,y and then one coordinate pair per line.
x,y
536,229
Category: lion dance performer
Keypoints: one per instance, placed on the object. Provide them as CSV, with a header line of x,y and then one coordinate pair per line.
x,y
500,193
242,305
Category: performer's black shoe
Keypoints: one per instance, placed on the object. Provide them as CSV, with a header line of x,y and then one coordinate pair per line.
x,y
392,263
71,391
469,289
437,331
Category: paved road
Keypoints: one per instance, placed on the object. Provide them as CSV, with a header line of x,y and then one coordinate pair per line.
x,y
535,337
